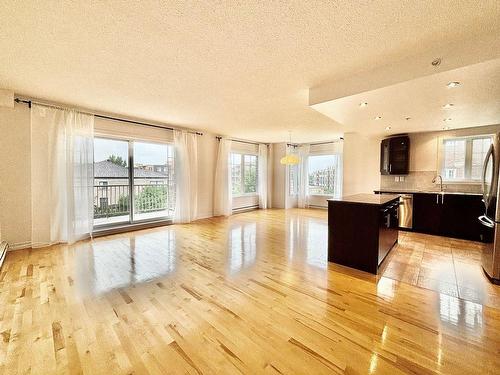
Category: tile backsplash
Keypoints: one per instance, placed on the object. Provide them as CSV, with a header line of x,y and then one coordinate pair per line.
x,y
422,180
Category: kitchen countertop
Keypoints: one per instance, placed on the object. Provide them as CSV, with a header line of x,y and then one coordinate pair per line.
x,y
410,191
375,199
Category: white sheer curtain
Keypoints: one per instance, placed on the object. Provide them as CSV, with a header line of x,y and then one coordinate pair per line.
x,y
62,178
262,176
303,185
270,176
223,196
186,176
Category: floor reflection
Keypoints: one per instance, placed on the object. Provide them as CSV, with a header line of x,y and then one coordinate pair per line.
x,y
242,246
115,263
460,312
307,240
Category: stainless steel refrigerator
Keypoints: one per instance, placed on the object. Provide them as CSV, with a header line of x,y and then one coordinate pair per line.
x,y
490,221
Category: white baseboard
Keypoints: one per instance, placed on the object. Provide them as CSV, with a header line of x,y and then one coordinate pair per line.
x,y
19,245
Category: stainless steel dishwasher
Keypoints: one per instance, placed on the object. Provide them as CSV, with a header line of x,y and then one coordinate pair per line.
x,y
406,211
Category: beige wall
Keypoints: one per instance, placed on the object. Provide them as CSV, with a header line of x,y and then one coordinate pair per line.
x,y
361,164
15,172
279,175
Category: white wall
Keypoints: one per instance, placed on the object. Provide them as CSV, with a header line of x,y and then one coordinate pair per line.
x,y
15,174
361,164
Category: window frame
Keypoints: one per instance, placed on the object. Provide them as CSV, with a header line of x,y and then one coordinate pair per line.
x,y
468,158
242,174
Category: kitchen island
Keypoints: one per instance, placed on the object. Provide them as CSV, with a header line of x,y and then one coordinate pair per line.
x,y
362,229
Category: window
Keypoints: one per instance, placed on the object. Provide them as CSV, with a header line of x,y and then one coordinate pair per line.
x,y
462,158
293,174
324,175
130,193
243,174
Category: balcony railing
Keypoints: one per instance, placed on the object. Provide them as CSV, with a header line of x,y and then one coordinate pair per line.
x,y
114,200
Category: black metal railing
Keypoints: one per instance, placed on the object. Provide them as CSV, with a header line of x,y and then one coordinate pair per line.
x,y
114,200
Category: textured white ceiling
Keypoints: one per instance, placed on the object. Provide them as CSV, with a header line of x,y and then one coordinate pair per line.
x,y
476,102
237,68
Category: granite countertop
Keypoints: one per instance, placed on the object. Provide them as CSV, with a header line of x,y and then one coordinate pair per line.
x,y
376,199
413,191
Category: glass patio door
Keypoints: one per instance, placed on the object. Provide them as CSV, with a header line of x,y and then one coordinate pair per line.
x,y
111,182
153,181
133,182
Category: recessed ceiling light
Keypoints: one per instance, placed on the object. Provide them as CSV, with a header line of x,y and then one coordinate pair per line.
x,y
447,119
362,105
448,106
453,84
378,117
407,118
388,128
446,128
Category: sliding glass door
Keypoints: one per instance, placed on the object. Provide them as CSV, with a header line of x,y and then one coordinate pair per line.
x,y
133,181
111,182
153,181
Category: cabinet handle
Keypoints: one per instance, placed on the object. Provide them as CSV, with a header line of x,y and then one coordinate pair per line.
x,y
437,198
390,167
442,198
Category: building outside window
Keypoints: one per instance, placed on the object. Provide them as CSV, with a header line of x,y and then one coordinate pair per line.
x,y
243,174
324,175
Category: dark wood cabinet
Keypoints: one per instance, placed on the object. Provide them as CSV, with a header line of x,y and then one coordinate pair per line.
x,y
451,215
362,232
427,213
395,155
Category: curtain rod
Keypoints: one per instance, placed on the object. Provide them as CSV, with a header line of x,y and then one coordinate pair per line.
x,y
247,142
316,143
29,102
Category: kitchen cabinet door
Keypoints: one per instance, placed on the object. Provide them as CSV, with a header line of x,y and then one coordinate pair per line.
x,y
384,157
394,155
427,213
459,216
399,155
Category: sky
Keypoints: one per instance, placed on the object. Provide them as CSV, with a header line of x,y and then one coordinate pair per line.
x,y
144,153
319,162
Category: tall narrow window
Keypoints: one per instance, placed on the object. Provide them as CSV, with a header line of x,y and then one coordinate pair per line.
x,y
243,174
293,179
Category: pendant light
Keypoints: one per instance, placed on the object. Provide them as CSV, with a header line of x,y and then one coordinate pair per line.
x,y
289,159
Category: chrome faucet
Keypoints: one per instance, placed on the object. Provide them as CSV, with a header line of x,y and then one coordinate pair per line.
x,y
440,182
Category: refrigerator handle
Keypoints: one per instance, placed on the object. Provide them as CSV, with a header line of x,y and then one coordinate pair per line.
x,y
486,221
487,195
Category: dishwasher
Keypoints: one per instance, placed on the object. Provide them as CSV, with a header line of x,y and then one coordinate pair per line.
x,y
405,213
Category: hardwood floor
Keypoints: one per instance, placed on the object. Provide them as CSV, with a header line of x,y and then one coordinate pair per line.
x,y
250,294
446,265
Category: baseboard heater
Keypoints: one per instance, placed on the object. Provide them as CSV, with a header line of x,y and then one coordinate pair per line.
x,y
316,206
4,246
246,208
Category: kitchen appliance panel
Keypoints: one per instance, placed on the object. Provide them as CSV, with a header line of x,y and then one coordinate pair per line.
x,y
490,236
